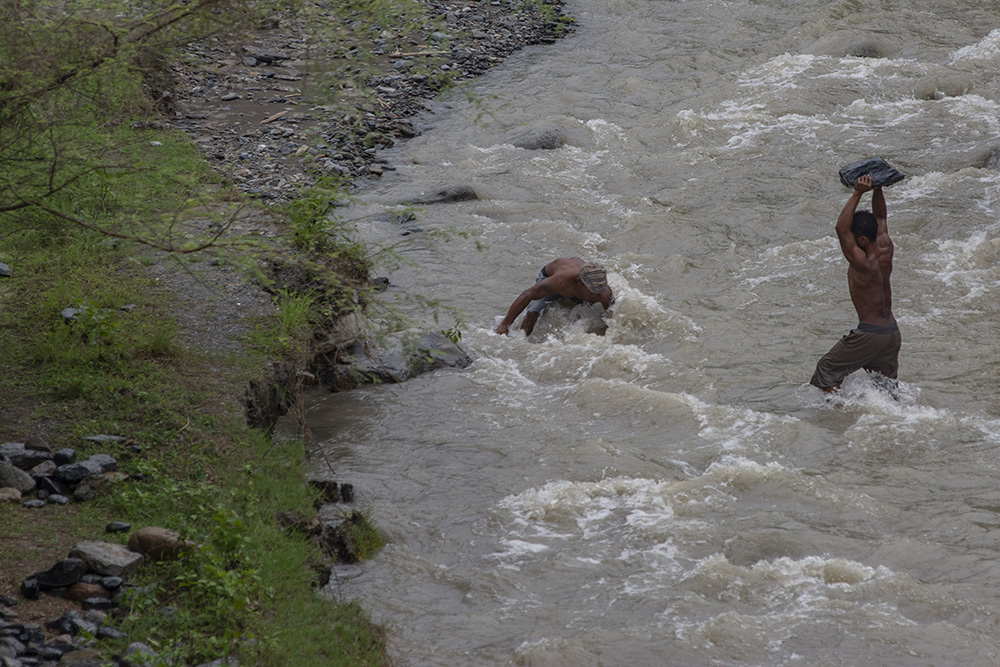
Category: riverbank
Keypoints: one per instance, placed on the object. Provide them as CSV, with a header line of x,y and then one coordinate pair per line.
x,y
284,109
178,361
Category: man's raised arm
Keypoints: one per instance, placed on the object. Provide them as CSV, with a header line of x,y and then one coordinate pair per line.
x,y
848,244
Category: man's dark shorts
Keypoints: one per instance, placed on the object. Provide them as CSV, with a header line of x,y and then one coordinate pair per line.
x,y
871,347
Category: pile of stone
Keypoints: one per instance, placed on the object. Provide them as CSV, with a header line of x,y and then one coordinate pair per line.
x,y
34,475
94,575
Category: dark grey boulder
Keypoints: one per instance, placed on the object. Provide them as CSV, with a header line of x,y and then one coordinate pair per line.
x,y
66,572
65,455
108,632
29,589
51,486
394,360
450,194
881,172
540,139
5,271
71,473
23,456
434,350
107,463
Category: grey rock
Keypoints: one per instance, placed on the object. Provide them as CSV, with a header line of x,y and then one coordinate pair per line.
x,y
19,460
71,473
98,604
65,455
540,139
118,527
69,313
881,172
107,463
10,647
399,360
112,583
5,271
10,449
33,504
43,469
108,632
51,486
66,572
85,490
107,558
58,499
32,459
450,194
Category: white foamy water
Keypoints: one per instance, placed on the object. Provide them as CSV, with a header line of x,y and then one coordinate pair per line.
x,y
662,486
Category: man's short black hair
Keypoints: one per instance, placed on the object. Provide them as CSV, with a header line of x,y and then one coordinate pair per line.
x,y
865,224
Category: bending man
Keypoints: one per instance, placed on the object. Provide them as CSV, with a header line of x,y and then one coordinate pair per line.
x,y
565,277
874,344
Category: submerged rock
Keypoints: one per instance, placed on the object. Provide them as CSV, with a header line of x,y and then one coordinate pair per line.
x,y
540,139
450,194
395,360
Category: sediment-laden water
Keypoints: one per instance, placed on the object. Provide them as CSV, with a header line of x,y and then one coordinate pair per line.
x,y
665,488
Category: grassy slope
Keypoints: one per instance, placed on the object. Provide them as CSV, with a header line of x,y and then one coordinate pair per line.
x,y
205,473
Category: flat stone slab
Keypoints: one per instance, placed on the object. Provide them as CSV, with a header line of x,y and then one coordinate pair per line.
x,y
882,172
107,558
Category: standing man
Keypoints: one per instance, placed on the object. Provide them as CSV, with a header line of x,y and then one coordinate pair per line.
x,y
874,344
565,277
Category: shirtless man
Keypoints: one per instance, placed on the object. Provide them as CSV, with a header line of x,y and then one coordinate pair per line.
x,y
874,344
565,277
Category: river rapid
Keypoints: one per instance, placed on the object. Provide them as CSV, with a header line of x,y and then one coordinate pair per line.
x,y
662,486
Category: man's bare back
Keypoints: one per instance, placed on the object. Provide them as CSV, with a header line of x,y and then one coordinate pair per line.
x,y
870,261
567,277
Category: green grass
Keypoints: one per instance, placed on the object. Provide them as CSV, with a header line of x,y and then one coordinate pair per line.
x,y
119,367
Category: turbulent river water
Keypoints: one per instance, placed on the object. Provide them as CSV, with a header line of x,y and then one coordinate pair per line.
x,y
662,486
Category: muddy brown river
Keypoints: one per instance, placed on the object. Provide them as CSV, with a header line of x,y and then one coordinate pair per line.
x,y
662,486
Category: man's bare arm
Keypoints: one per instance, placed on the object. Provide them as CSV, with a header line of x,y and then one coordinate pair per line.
x,y
537,291
879,209
848,244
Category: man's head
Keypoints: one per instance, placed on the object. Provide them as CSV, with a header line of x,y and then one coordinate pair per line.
x,y
594,277
864,225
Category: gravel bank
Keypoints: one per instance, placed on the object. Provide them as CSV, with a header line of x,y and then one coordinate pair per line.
x,y
268,112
